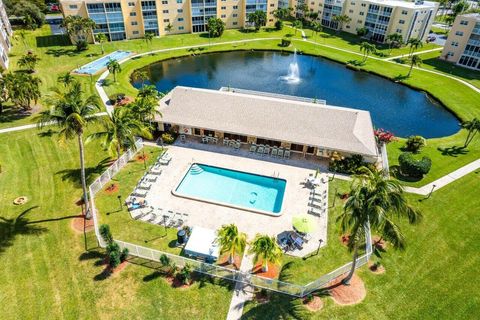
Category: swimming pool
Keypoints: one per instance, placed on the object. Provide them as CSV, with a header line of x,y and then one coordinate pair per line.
x,y
97,65
233,188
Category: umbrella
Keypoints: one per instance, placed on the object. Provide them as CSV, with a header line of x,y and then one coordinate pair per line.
x,y
303,223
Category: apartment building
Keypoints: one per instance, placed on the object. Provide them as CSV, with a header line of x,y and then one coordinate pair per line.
x,y
380,17
130,19
463,42
6,32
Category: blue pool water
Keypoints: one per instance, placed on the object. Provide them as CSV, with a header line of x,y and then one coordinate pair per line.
x,y
97,65
232,187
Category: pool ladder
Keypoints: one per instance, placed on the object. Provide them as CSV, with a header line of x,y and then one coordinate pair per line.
x,y
276,174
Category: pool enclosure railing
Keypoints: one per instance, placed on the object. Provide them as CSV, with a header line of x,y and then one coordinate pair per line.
x,y
284,287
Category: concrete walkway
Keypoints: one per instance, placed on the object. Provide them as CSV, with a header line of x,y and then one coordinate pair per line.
x,y
243,292
414,54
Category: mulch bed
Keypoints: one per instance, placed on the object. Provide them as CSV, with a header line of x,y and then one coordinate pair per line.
x,y
142,157
376,269
344,239
379,243
176,283
119,268
114,187
347,295
124,101
261,297
272,272
316,304
223,261
79,224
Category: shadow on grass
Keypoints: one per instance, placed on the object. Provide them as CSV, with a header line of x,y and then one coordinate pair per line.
x,y
10,228
52,41
91,173
62,52
356,63
47,133
10,114
453,151
400,77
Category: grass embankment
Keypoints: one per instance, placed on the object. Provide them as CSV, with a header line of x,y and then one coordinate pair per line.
x,y
45,268
432,279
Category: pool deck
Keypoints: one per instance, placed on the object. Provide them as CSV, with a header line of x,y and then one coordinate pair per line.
x,y
213,216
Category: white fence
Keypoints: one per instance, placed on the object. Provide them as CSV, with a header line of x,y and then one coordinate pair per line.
x,y
211,269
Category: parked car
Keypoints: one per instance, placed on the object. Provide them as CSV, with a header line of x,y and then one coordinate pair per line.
x,y
431,38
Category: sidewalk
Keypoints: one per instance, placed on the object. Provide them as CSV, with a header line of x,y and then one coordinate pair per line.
x,y
243,292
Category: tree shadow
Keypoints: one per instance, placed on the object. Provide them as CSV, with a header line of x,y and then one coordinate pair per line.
x,y
453,151
11,228
152,276
400,77
278,307
395,171
52,41
11,113
356,63
47,133
62,52
91,173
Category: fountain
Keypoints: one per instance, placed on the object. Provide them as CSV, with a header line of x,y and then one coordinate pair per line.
x,y
293,75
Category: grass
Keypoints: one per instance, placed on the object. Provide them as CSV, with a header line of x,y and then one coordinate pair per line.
x,y
432,279
45,268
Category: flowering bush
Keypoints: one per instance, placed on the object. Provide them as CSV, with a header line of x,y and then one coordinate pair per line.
x,y
383,136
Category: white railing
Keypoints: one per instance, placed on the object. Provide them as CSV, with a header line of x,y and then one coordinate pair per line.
x,y
207,268
385,164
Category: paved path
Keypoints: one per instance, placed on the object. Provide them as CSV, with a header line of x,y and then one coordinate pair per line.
x,y
414,54
242,293
34,125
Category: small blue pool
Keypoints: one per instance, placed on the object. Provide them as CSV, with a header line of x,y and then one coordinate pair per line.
x,y
97,65
233,188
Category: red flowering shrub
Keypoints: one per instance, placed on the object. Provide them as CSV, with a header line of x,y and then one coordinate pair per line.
x,y
383,136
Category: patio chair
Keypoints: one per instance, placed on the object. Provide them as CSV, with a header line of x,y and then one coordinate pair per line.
x,y
164,162
237,145
215,140
183,138
287,154
155,171
140,193
232,143
253,148
225,141
274,152
144,185
280,153
204,139
260,149
266,151
151,178
297,240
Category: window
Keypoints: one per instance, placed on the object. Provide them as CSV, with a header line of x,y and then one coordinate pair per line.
x,y
348,27
131,4
235,23
179,1
359,21
454,43
362,13
272,4
166,20
399,31
223,16
165,11
73,6
401,21
196,132
364,5
134,23
464,23
223,8
180,19
459,33
296,147
165,2
351,11
450,54
135,32
234,15
179,10
352,3
133,14
181,28
404,12
270,20
235,7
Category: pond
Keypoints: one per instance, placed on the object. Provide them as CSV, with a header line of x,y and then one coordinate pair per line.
x,y
393,106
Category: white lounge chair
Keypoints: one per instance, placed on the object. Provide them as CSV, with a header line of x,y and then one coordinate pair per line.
x,y
144,185
287,154
266,151
237,145
151,178
253,148
225,142
155,171
274,152
140,193
280,153
260,149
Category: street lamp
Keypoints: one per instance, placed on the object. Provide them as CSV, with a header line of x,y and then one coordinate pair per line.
x,y
144,163
119,197
431,191
333,177
319,245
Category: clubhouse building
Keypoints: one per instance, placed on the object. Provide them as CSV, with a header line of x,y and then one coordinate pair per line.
x,y
250,119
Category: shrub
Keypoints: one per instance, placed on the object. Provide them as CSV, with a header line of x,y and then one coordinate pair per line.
x,y
81,45
415,143
279,25
116,97
113,246
412,167
383,136
114,259
106,234
185,274
285,42
348,165
167,138
362,32
124,254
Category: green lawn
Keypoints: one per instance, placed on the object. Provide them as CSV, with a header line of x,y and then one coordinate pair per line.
x,y
46,272
432,279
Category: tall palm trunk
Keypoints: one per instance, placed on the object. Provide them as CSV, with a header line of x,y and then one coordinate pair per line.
x,y
118,151
265,266
348,278
410,71
82,176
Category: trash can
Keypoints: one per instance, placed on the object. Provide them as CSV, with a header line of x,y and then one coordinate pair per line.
x,y
181,236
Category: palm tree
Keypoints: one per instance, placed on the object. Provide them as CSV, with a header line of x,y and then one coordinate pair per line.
x,y
341,19
169,28
145,108
66,79
119,132
380,202
23,88
367,48
265,249
72,113
114,67
140,75
101,38
297,24
414,61
414,44
28,61
316,27
473,127
148,37
394,39
231,241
